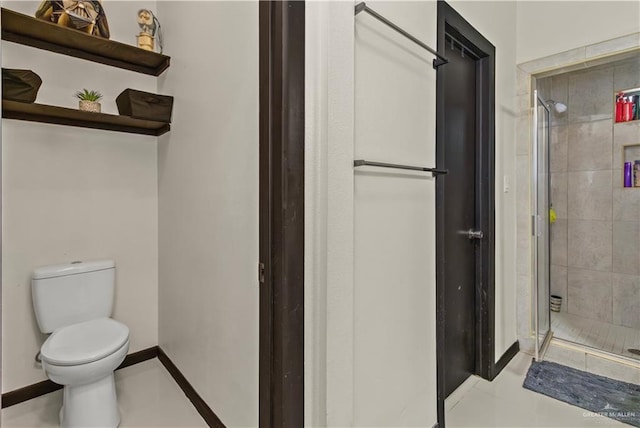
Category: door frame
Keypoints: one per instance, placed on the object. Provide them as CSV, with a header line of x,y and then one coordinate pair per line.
x,y
451,22
281,217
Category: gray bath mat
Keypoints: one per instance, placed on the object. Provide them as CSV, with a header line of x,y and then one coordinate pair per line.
x,y
598,394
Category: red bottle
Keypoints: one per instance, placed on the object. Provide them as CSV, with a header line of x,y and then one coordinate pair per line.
x,y
619,107
624,109
628,109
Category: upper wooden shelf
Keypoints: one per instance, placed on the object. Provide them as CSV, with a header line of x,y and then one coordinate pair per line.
x,y
41,34
66,116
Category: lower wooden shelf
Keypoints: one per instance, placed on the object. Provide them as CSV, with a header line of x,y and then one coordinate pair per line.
x,y
83,119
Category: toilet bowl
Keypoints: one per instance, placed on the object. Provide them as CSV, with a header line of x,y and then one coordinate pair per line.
x,y
82,357
74,302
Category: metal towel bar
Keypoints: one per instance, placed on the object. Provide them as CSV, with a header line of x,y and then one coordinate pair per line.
x,y
437,62
434,171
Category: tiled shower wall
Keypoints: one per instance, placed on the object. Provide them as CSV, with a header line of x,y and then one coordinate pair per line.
x,y
595,243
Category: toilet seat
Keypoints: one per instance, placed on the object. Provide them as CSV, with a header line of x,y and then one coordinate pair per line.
x,y
84,342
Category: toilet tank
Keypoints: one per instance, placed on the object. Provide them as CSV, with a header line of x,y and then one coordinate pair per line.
x,y
72,293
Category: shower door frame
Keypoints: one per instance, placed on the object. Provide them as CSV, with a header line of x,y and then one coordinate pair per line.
x,y
528,73
535,226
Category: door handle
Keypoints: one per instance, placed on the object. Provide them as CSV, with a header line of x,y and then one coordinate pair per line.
x,y
472,234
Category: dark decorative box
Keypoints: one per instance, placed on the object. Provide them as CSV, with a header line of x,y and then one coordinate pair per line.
x,y
144,105
20,85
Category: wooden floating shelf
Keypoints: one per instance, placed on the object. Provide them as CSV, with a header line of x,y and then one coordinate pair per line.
x,y
71,117
23,29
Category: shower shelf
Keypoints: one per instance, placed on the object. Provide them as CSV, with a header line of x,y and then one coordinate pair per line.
x,y
635,93
630,153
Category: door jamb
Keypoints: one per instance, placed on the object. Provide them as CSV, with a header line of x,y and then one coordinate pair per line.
x,y
281,217
450,22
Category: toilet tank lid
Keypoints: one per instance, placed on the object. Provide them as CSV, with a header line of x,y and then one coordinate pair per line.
x,y
72,268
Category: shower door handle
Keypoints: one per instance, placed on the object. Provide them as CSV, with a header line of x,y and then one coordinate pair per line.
x,y
472,234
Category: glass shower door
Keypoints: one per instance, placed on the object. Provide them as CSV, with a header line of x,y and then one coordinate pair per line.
x,y
541,228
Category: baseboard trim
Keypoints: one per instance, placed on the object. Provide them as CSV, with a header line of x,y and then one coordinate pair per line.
x,y
201,406
139,357
506,357
28,392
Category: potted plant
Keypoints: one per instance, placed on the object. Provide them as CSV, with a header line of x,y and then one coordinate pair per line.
x,y
89,100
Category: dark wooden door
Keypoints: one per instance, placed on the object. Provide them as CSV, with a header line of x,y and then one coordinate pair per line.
x,y
460,217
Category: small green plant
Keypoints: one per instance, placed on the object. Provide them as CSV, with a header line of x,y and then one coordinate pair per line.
x,y
86,95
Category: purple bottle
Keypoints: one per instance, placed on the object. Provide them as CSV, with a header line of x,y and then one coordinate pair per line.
x,y
628,174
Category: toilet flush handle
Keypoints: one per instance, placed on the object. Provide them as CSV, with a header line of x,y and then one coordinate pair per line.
x,y
38,358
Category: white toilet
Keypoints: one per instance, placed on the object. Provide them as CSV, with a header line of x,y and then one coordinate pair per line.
x,y
74,302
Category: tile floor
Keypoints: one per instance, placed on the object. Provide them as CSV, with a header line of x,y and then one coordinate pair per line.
x,y
505,403
148,397
601,335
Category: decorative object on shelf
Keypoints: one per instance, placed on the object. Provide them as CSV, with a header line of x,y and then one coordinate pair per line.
x,y
89,100
84,15
556,303
144,105
150,27
20,85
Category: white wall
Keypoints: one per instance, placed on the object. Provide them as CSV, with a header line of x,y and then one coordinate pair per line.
x,y
208,203
370,354
394,221
549,27
329,239
76,194
370,350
